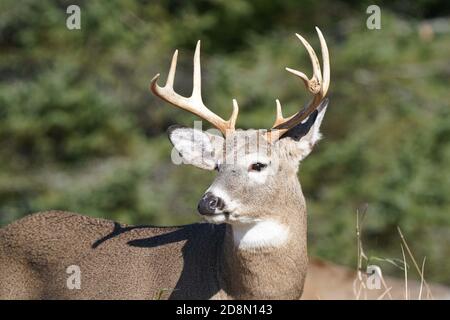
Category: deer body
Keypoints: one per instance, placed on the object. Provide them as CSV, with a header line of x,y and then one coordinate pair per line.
x,y
197,261
253,246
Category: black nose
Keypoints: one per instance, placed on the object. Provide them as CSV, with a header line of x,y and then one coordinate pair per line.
x,y
209,203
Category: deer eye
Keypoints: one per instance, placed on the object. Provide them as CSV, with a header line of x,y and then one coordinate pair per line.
x,y
257,166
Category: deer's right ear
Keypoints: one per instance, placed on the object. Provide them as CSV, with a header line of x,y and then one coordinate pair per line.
x,y
198,148
300,140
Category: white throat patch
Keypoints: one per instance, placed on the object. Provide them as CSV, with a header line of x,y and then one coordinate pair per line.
x,y
259,234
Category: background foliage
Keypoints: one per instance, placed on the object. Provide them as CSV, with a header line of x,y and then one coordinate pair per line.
x,y
80,131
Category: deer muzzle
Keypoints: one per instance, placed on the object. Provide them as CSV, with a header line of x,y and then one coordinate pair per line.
x,y
210,204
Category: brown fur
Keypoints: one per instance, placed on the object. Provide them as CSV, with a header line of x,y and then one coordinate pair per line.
x,y
122,262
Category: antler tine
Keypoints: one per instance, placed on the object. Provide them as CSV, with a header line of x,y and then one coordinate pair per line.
x,y
279,116
326,62
172,70
197,75
234,114
317,73
194,103
317,85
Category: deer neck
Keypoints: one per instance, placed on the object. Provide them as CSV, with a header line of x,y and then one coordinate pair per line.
x,y
266,259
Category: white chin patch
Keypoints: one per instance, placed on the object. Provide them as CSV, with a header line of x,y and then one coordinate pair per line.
x,y
259,234
216,219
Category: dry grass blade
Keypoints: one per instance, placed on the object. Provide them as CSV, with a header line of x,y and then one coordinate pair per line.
x,y
421,278
360,254
359,285
406,273
386,292
429,293
160,294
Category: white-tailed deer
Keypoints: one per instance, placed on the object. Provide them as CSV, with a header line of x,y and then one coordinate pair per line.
x,y
254,245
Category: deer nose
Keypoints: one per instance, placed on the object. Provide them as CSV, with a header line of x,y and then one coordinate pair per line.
x,y
209,203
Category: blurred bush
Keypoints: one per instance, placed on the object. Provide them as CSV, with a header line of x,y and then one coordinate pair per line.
x,y
80,131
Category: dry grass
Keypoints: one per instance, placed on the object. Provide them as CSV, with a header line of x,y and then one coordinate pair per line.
x,y
360,289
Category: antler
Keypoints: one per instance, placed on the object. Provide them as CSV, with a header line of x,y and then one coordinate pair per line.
x,y
194,103
317,85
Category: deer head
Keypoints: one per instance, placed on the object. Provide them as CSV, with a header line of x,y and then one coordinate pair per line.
x,y
256,169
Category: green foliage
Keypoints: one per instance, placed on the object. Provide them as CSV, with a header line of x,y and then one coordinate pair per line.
x,y
80,131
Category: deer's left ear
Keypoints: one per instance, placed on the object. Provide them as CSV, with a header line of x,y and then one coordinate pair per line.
x,y
300,140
